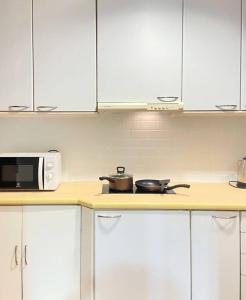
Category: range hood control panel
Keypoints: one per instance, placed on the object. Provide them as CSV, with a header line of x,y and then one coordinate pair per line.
x,y
165,106
141,106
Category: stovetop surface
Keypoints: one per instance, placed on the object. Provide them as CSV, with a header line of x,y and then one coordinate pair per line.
x,y
106,190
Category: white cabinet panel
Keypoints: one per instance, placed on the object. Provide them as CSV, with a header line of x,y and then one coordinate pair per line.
x,y
142,255
65,55
215,256
243,75
243,256
51,252
243,287
211,69
16,55
10,252
139,50
243,222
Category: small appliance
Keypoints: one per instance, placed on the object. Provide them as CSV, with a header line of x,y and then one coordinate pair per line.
x,y
241,175
30,171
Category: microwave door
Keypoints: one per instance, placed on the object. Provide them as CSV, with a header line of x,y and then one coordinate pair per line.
x,y
20,173
41,173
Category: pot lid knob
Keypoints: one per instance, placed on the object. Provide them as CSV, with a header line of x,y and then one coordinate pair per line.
x,y
121,170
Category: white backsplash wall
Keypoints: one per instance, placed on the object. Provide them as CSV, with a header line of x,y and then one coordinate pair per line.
x,y
181,147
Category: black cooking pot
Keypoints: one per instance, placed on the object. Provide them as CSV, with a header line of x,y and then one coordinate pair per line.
x,y
152,185
119,182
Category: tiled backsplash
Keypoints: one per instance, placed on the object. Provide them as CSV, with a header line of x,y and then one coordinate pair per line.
x,y
182,147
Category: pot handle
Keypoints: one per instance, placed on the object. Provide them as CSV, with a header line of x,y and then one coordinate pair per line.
x,y
121,170
168,188
107,178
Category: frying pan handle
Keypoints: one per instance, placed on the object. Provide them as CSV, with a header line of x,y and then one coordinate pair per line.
x,y
168,188
107,178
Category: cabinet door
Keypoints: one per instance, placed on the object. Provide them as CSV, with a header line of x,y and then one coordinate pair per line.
x,y
243,255
215,256
211,69
139,50
142,255
243,75
64,55
16,55
10,252
51,253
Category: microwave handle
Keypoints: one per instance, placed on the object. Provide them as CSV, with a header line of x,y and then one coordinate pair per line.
x,y
40,173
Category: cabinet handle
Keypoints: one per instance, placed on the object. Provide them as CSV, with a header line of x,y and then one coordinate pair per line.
x,y
25,255
226,107
167,99
18,107
16,256
224,218
46,108
244,275
109,217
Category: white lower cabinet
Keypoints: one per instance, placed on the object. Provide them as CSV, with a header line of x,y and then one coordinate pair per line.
x,y
142,255
10,253
243,256
215,255
51,245
40,253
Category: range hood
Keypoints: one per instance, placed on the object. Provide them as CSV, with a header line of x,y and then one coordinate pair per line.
x,y
141,106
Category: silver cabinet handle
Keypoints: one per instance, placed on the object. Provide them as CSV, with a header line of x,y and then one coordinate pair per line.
x,y
167,99
18,107
226,107
25,255
224,218
109,217
46,108
16,256
244,275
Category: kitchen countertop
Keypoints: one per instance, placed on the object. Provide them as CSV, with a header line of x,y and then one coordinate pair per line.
x,y
201,196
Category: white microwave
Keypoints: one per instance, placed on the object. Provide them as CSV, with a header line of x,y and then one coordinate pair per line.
x,y
30,171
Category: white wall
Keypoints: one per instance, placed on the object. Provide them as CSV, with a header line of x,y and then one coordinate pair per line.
x,y
200,148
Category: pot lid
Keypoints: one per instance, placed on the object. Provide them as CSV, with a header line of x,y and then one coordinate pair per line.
x,y
121,173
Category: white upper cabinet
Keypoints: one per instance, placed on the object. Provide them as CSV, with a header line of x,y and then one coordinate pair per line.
x,y
142,255
215,255
243,75
211,61
64,35
51,252
16,91
139,50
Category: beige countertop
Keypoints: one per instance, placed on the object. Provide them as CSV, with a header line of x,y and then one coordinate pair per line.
x,y
201,196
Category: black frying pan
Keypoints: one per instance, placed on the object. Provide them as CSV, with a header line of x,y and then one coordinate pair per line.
x,y
152,185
